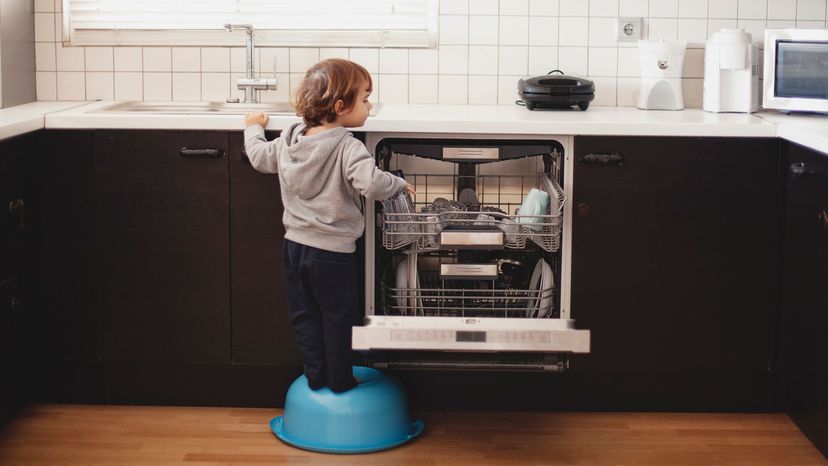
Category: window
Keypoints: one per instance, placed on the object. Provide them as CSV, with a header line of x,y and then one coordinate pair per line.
x,y
317,23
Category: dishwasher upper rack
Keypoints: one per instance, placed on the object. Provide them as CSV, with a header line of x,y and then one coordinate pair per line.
x,y
403,227
436,297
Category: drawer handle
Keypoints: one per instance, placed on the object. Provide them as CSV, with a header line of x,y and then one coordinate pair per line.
x,y
201,153
800,169
18,207
615,159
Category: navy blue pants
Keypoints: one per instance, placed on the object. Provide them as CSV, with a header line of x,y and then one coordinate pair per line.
x,y
323,300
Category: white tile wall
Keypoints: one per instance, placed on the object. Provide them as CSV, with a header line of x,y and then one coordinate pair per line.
x,y
186,59
422,89
128,86
100,86
484,47
393,88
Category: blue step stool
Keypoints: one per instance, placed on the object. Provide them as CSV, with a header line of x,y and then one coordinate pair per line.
x,y
370,417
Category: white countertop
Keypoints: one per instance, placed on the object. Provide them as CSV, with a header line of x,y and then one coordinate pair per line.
x,y
811,130
479,119
28,117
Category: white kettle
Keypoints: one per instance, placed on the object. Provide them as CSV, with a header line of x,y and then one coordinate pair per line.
x,y
731,72
661,67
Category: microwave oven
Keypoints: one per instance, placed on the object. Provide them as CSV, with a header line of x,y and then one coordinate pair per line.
x,y
796,70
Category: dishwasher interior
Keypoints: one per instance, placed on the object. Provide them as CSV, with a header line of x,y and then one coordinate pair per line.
x,y
472,271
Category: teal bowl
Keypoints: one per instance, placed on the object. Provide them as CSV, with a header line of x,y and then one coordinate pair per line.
x,y
371,417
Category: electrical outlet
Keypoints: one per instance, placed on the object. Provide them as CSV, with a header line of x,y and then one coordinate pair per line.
x,y
629,29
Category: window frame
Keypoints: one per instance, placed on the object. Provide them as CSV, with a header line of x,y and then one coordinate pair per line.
x,y
263,37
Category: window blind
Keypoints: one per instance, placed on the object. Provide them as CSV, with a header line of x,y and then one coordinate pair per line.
x,y
406,23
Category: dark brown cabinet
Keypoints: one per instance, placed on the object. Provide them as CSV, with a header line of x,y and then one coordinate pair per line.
x,y
159,277
261,329
162,246
159,264
14,160
15,244
63,221
11,383
675,264
803,319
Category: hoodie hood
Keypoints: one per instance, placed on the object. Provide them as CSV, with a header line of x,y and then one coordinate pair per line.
x,y
307,162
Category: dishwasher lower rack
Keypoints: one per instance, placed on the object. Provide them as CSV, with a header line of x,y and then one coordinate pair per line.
x,y
435,297
489,222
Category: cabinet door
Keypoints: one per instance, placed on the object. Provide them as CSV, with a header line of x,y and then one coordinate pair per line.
x,y
162,216
674,252
14,154
261,328
803,319
64,220
10,383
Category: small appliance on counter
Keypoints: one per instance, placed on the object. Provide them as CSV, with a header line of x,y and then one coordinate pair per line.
x,y
796,70
661,65
556,91
731,72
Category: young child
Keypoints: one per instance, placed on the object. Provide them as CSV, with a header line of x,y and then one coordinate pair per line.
x,y
323,170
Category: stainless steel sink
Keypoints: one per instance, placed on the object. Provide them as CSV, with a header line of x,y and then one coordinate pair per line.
x,y
204,108
198,108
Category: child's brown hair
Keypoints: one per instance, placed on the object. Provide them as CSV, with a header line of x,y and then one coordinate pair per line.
x,y
324,84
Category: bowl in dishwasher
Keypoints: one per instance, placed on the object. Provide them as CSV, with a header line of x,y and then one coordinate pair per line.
x,y
371,417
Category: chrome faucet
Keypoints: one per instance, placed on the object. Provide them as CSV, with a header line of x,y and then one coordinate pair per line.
x,y
249,83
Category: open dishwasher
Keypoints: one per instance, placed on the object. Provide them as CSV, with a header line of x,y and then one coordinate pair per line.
x,y
473,271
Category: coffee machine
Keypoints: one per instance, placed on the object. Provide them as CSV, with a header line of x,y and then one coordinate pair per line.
x,y
731,72
661,65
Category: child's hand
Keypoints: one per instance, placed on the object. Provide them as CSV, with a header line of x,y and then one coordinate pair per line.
x,y
410,188
256,118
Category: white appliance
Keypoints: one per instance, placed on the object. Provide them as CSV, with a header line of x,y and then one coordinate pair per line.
x,y
476,287
661,67
731,72
796,70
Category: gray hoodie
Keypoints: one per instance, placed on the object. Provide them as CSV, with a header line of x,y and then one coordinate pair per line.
x,y
321,178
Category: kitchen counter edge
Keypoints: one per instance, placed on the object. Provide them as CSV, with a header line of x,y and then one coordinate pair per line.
x,y
809,130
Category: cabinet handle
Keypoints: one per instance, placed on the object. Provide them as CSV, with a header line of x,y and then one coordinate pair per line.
x,y
201,153
614,158
800,169
18,207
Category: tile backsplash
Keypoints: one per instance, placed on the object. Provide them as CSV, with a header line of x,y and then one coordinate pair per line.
x,y
485,46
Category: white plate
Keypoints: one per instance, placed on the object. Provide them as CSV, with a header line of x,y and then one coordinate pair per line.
x,y
415,302
547,290
401,284
408,302
534,284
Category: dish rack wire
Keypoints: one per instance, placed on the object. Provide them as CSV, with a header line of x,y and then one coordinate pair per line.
x,y
437,297
403,226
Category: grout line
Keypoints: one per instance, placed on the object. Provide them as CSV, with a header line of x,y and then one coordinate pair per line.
x,y
468,61
113,73
558,40
172,79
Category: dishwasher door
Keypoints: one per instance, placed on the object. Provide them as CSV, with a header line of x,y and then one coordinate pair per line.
x,y
475,267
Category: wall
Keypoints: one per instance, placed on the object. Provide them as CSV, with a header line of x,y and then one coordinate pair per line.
x,y
485,47
17,55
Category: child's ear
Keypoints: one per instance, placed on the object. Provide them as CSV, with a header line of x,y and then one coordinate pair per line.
x,y
339,105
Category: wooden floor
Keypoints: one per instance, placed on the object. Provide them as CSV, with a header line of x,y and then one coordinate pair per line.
x,y
130,435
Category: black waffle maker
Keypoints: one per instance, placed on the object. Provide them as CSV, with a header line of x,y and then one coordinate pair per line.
x,y
556,91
